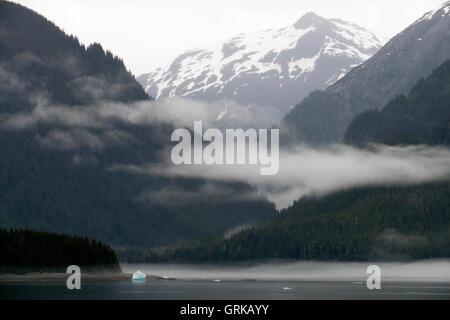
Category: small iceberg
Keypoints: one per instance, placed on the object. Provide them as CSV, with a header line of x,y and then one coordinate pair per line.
x,y
138,276
217,280
287,289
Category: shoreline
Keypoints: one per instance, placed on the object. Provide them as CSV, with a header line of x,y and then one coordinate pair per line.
x,y
56,277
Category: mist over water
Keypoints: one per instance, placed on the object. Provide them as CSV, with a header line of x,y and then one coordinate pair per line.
x,y
286,280
426,271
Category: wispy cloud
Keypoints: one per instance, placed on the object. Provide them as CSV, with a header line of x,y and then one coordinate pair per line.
x,y
205,192
302,169
177,111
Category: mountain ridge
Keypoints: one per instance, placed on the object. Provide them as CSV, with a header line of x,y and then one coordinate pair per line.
x,y
288,62
323,116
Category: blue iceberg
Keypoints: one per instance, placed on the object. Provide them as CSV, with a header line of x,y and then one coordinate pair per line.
x,y
138,276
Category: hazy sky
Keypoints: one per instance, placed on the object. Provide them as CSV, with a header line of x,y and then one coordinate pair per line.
x,y
148,34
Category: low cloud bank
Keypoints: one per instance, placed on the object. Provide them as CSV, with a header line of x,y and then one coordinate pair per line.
x,y
304,170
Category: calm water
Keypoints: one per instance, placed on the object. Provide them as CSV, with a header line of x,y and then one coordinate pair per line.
x,y
288,281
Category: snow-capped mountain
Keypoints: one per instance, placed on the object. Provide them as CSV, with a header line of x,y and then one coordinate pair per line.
x,y
324,116
271,68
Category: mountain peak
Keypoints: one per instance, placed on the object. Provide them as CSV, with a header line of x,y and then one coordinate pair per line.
x,y
291,61
307,20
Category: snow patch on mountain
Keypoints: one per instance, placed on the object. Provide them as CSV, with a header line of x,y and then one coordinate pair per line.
x,y
275,67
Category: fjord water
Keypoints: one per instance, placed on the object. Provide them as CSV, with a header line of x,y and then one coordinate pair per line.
x,y
268,281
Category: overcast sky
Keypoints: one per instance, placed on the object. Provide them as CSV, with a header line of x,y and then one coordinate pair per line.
x,y
148,34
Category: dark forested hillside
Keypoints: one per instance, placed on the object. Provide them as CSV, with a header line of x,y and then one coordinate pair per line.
x,y
354,225
422,117
26,250
38,58
57,155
